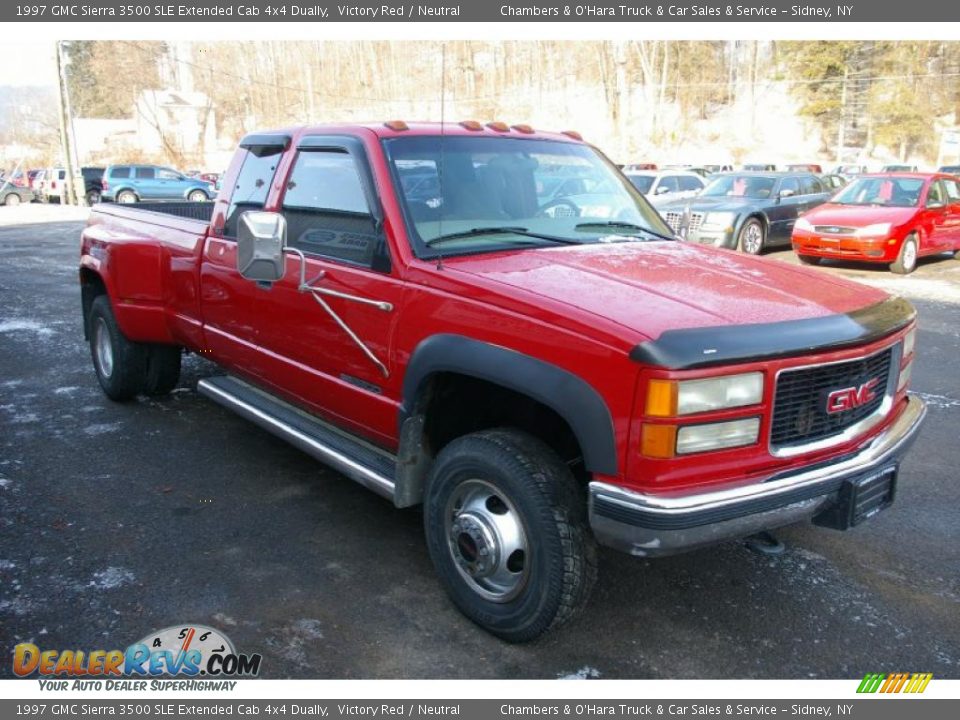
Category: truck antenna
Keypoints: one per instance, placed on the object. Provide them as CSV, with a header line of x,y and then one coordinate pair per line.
x,y
443,121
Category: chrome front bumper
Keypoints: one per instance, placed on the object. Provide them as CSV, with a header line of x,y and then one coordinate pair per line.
x,y
650,525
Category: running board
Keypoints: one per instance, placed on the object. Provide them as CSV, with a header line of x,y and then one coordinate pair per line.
x,y
368,465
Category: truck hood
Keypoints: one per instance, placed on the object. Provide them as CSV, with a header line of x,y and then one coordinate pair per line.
x,y
651,287
859,215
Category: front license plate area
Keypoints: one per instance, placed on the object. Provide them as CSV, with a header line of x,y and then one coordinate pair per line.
x,y
860,499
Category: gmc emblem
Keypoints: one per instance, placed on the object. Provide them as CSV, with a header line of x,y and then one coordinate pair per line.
x,y
851,397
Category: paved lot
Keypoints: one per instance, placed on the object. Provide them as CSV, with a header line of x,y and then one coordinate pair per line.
x,y
116,520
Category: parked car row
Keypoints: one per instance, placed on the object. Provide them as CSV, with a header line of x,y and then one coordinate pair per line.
x,y
125,183
893,218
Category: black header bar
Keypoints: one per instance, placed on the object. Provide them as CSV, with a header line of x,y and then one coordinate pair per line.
x,y
619,11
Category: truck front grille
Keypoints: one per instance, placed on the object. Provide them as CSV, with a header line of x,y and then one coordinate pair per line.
x,y
800,406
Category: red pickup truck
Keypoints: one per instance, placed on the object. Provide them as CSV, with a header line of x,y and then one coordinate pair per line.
x,y
416,307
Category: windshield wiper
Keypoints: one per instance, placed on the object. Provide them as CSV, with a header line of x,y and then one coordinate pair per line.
x,y
499,230
620,224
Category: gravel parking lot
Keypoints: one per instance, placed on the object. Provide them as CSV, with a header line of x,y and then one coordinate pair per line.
x,y
119,519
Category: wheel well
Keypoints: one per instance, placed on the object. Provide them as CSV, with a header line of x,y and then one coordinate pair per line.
x,y
454,405
91,286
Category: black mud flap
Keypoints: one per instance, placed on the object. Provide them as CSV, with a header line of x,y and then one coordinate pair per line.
x,y
860,499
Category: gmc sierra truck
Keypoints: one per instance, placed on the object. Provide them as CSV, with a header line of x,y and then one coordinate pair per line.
x,y
490,322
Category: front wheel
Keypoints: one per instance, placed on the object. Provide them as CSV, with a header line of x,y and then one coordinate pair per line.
x,y
506,528
93,197
906,261
752,236
126,197
197,196
11,200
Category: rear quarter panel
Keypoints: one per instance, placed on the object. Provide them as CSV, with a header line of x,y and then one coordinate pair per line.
x,y
149,264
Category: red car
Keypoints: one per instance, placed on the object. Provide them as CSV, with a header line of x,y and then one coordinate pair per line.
x,y
893,219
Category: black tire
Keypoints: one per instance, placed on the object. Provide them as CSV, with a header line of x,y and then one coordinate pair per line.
x,y
752,236
126,197
906,261
124,376
809,259
93,197
198,196
11,199
532,488
163,369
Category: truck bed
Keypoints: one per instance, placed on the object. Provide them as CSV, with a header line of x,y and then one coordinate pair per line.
x,y
192,218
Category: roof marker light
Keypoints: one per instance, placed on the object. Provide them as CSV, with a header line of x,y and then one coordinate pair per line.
x,y
397,125
498,126
523,128
573,134
471,125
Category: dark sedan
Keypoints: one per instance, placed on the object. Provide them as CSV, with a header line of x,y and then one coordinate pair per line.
x,y
746,210
11,194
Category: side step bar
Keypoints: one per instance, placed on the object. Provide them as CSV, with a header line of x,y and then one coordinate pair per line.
x,y
360,461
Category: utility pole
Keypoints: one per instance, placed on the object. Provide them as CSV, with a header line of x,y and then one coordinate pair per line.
x,y
67,144
842,130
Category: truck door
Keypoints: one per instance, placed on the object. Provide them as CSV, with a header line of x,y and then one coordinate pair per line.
x,y
327,342
229,302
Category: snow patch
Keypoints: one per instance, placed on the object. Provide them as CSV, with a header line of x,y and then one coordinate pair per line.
x,y
69,390
584,673
944,402
11,326
112,577
102,428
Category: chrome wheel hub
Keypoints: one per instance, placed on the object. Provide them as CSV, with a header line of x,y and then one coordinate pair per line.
x,y
487,541
752,239
103,348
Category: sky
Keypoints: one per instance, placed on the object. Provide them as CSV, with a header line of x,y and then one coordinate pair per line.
x,y
28,63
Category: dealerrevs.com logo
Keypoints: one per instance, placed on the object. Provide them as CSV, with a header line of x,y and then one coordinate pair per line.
x,y
181,651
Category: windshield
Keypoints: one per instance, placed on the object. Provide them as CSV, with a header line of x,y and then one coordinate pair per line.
x,y
750,186
482,194
895,192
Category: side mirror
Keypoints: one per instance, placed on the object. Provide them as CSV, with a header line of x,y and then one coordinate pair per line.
x,y
261,237
787,193
662,190
935,205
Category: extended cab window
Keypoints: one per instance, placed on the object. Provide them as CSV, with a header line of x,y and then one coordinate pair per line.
x,y
253,184
326,209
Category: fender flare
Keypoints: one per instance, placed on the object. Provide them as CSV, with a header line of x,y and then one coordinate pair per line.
x,y
572,398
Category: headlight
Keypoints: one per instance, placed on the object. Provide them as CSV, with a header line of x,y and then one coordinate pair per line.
x,y
719,220
877,230
716,436
909,342
803,224
668,398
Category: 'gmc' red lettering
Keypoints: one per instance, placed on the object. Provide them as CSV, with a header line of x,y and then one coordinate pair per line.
x,y
852,397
